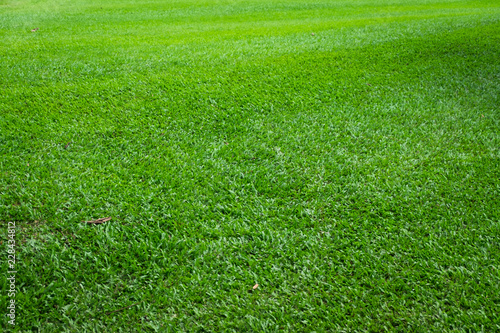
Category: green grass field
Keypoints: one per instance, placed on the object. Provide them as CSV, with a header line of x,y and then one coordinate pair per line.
x,y
343,155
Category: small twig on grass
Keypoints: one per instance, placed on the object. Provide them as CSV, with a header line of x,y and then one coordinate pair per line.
x,y
99,221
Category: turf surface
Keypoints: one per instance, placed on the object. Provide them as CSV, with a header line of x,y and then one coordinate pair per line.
x,y
343,155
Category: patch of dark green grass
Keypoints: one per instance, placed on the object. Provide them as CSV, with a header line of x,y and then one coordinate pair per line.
x,y
352,174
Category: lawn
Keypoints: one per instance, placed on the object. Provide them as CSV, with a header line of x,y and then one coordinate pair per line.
x,y
268,165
